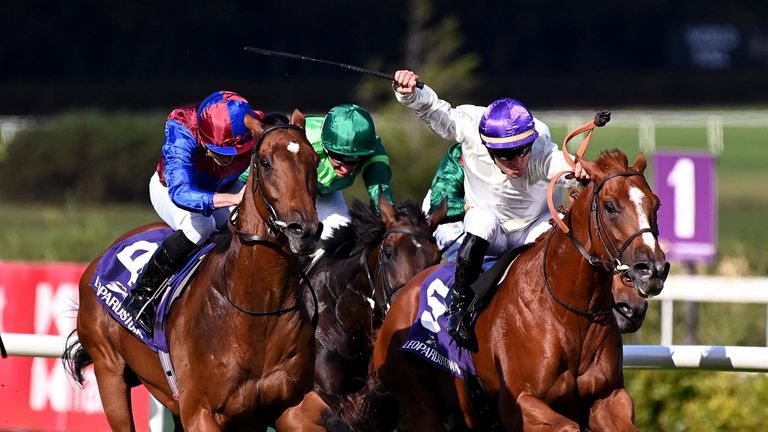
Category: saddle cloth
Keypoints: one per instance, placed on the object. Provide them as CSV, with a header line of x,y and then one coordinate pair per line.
x,y
428,338
119,269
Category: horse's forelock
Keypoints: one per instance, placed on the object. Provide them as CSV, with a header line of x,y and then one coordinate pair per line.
x,y
411,211
612,160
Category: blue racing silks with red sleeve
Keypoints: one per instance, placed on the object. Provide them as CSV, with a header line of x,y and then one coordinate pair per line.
x,y
192,177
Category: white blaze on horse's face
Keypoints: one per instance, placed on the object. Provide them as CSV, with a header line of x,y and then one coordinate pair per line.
x,y
293,147
637,197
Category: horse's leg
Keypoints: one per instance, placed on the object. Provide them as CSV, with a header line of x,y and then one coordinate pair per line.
x,y
115,393
307,416
198,419
616,412
538,416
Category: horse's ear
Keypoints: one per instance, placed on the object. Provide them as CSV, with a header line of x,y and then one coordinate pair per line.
x,y
254,125
640,163
591,168
388,214
436,217
298,119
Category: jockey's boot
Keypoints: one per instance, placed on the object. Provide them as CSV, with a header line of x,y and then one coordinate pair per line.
x,y
468,265
166,260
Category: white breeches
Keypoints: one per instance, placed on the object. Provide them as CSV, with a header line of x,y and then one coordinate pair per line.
x,y
196,227
332,211
484,223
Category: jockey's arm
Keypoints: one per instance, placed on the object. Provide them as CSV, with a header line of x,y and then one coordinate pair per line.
x,y
178,154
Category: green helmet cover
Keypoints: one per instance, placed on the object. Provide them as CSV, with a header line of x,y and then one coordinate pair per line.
x,y
348,129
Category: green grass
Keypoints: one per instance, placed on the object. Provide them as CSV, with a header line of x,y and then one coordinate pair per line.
x,y
65,233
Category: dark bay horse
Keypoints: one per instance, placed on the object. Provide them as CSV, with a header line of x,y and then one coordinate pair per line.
x,y
366,261
549,352
365,264
629,306
241,339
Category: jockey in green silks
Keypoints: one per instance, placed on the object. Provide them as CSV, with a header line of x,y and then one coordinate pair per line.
x,y
346,141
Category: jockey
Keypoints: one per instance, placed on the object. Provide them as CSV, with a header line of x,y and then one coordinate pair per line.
x,y
509,158
346,141
206,148
448,182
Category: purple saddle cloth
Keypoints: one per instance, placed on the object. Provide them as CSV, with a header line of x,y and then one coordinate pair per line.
x,y
119,269
428,338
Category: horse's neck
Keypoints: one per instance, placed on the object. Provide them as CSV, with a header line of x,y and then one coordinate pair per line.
x,y
588,286
260,273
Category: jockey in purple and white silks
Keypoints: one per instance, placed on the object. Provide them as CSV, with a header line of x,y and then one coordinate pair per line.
x,y
206,147
508,160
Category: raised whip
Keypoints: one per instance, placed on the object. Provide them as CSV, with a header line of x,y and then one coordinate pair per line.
x,y
390,77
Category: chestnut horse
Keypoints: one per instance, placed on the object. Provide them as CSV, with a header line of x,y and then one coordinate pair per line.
x,y
549,352
241,339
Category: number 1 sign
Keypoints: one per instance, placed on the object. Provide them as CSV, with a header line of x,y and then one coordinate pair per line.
x,y
685,184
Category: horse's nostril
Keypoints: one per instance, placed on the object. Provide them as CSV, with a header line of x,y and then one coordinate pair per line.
x,y
642,270
295,228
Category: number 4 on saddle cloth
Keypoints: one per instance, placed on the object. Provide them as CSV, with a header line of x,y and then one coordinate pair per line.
x,y
118,271
428,338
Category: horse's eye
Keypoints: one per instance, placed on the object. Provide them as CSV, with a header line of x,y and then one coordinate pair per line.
x,y
387,253
610,208
265,164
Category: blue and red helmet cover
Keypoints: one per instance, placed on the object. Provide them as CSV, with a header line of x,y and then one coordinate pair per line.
x,y
221,123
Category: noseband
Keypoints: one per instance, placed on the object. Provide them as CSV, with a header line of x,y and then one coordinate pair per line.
x,y
613,264
387,290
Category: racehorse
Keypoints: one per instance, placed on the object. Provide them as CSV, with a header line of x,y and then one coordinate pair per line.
x,y
366,261
629,306
548,352
364,265
240,338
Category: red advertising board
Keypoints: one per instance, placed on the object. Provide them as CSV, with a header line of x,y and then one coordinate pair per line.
x,y
36,393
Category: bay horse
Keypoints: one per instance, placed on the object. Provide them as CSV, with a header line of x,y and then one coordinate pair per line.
x,y
548,352
241,339
364,265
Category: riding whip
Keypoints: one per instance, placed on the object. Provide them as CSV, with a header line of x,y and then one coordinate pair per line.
x,y
390,77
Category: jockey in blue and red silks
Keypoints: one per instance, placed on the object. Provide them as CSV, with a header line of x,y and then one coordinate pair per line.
x,y
206,148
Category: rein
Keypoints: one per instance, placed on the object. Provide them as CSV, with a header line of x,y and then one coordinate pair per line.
x,y
387,290
275,227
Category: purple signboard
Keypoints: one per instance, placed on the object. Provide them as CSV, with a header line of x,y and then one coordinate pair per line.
x,y
685,184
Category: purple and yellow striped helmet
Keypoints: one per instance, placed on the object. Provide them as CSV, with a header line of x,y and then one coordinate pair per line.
x,y
507,124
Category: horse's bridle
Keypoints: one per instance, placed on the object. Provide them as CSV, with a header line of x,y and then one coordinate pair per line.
x,y
613,264
274,226
387,290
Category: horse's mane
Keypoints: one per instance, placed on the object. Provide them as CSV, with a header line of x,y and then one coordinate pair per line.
x,y
613,159
366,228
607,160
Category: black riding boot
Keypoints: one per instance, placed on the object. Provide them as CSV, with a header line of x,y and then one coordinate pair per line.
x,y
167,259
468,265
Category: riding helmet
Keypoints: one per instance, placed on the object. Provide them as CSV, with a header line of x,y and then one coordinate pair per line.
x,y
221,123
507,124
348,129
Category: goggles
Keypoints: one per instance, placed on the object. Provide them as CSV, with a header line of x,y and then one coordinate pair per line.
x,y
341,159
509,154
